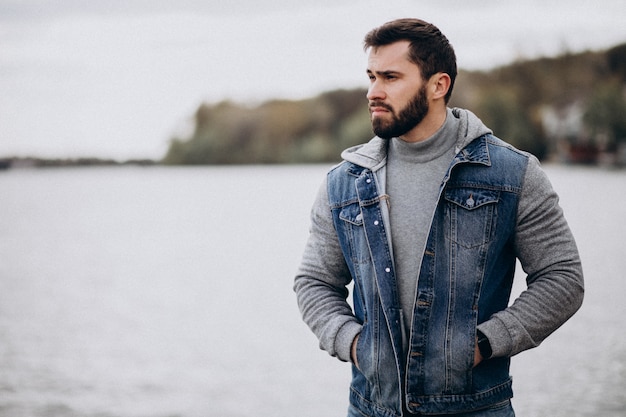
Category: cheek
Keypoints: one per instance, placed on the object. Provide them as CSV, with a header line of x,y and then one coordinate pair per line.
x,y
404,94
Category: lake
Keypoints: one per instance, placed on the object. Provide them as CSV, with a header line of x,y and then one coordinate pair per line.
x,y
167,292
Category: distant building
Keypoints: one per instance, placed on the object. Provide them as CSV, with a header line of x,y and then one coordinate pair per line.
x,y
570,139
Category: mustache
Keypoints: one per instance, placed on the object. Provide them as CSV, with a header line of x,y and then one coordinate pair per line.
x,y
381,105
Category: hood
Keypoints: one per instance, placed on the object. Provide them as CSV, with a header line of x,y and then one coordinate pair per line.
x,y
470,127
373,154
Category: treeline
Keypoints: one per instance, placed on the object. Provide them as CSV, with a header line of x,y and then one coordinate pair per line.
x,y
277,131
543,106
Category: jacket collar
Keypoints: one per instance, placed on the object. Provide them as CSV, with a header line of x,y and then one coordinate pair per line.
x,y
373,154
475,152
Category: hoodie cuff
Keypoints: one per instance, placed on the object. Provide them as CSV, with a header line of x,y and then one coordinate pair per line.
x,y
344,339
499,337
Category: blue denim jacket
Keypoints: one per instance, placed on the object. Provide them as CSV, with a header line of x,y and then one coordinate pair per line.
x,y
495,205
471,240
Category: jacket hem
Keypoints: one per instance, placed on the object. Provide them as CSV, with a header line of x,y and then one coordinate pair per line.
x,y
460,403
369,408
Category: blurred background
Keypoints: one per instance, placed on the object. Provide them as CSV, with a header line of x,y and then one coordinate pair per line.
x,y
133,79
157,282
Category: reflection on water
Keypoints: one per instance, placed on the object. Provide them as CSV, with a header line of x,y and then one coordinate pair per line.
x,y
167,292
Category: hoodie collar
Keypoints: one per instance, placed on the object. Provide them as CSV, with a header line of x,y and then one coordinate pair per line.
x,y
373,154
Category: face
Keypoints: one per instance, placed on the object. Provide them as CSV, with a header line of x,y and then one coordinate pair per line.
x,y
397,95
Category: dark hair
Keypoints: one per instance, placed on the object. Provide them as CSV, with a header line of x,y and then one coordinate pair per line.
x,y
430,50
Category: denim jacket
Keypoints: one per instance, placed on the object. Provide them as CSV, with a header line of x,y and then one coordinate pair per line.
x,y
480,227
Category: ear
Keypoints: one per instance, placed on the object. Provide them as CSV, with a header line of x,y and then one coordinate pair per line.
x,y
440,84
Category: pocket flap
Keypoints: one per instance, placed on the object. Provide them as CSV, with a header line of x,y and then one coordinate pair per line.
x,y
471,198
352,214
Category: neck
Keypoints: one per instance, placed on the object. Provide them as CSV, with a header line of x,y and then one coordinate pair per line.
x,y
428,126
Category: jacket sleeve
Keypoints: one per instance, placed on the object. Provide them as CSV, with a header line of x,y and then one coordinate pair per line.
x,y
548,254
321,284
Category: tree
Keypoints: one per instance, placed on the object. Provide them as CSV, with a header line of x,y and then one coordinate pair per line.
x,y
605,115
503,113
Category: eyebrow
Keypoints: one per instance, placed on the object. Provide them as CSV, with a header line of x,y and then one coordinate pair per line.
x,y
384,73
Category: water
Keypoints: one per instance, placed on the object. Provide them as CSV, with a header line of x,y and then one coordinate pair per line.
x,y
166,292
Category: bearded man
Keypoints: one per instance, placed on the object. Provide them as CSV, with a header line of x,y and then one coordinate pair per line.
x,y
428,220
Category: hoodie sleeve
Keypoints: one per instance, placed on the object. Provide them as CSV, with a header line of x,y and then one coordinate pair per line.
x,y
549,256
321,284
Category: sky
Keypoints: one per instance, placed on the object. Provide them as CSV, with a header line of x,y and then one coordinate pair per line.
x,y
120,78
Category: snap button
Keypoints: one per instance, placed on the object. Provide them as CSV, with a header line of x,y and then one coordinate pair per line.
x,y
375,222
470,201
368,180
387,269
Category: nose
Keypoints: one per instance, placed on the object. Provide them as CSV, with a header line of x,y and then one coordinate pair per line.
x,y
375,91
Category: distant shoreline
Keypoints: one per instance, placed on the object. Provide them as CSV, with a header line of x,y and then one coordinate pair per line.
x,y
31,162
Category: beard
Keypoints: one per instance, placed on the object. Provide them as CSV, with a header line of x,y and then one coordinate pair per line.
x,y
405,120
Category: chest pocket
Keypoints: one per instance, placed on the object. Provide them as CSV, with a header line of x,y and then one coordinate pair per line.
x,y
352,227
471,214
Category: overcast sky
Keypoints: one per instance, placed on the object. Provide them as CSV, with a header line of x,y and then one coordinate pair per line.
x,y
119,78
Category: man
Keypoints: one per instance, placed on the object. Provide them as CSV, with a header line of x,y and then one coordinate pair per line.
x,y
427,220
